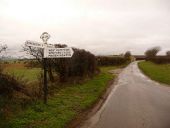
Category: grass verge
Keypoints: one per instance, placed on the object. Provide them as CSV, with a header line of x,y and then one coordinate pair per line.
x,y
63,106
157,72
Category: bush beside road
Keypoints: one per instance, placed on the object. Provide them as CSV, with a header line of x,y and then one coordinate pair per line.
x,y
157,72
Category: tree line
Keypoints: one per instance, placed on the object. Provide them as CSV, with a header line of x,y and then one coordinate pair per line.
x,y
152,55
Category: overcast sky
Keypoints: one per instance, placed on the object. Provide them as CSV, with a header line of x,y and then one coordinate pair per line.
x,y
100,26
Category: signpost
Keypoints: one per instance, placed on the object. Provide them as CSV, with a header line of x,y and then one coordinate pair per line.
x,y
49,52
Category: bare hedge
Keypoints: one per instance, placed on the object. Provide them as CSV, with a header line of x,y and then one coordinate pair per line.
x,y
160,59
82,64
108,61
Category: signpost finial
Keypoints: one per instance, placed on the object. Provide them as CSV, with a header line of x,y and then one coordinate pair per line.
x,y
45,37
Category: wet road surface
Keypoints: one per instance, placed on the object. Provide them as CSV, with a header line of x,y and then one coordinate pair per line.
x,y
135,102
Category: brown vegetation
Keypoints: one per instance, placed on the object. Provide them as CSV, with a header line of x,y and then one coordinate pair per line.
x,y
111,61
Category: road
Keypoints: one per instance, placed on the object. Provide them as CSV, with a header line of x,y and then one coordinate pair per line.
x,y
135,102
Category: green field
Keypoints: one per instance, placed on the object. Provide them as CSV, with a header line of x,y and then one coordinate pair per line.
x,y
157,72
18,70
63,106
27,74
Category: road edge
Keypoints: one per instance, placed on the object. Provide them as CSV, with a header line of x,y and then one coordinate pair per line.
x,y
85,115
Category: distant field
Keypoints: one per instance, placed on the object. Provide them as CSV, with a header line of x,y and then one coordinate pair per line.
x,y
157,72
18,70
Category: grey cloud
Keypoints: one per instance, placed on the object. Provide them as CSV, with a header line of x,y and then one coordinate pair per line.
x,y
102,27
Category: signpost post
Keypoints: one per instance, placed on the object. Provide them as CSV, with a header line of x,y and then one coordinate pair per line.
x,y
45,37
49,52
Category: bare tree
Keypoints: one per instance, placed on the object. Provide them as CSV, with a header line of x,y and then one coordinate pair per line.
x,y
3,47
152,52
168,53
37,53
127,55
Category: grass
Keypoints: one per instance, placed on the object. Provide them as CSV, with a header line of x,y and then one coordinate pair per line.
x,y
157,72
63,106
28,74
19,70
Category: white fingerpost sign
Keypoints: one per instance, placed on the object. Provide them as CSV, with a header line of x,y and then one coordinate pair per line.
x,y
50,46
58,52
38,45
34,44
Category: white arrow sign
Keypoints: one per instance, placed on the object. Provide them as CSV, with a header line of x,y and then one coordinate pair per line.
x,y
34,44
58,52
50,46
37,44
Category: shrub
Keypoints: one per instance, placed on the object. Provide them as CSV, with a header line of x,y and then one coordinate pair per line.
x,y
160,59
9,84
107,61
82,64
